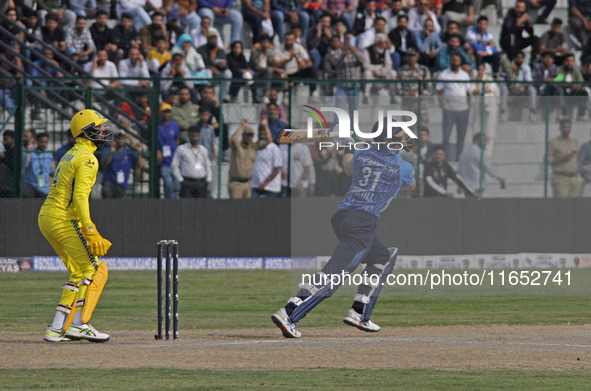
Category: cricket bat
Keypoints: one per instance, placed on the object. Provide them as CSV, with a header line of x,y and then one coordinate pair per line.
x,y
292,136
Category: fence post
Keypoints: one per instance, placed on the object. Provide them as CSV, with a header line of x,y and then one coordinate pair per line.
x,y
547,120
154,138
482,136
419,141
19,129
221,139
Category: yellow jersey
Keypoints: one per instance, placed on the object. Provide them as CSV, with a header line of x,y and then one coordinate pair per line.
x,y
71,185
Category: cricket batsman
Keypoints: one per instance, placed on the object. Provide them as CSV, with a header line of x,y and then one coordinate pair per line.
x,y
378,174
65,222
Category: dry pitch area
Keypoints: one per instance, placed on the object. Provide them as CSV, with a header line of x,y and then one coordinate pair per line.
x,y
562,347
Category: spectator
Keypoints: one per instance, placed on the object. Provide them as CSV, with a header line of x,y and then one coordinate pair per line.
x,y
173,27
453,100
579,19
262,65
139,111
571,74
377,64
209,101
221,13
117,162
437,171
546,71
368,37
100,69
29,139
200,35
215,58
318,41
418,15
339,10
274,99
365,20
483,45
15,28
519,71
185,113
585,163
168,141
460,11
426,145
187,11
136,8
207,138
239,67
295,60
61,151
473,165
562,156
288,11
192,59
33,29
266,173
135,68
428,44
84,8
153,32
242,161
257,12
7,84
300,169
80,39
515,23
452,29
178,75
535,5
402,40
44,67
126,36
344,64
486,104
66,17
191,167
159,57
103,36
553,41
498,4
443,58
412,71
272,122
7,165
39,167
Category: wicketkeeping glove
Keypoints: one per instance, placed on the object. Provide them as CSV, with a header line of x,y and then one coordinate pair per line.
x,y
96,244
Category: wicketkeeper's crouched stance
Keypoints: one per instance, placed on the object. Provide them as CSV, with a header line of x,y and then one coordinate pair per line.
x,y
378,175
65,222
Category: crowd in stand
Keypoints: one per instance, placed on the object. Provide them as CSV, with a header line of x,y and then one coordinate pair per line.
x,y
180,40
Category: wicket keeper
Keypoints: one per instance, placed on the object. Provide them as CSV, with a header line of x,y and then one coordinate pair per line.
x,y
378,174
65,222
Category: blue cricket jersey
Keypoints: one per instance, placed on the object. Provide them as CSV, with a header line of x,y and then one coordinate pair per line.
x,y
377,179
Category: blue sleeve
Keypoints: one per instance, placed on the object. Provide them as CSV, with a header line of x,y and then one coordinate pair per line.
x,y
407,173
354,160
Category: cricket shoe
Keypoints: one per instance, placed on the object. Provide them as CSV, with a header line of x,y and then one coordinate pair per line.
x,y
356,320
87,332
53,335
281,320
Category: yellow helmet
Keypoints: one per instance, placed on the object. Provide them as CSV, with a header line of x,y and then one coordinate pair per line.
x,y
84,120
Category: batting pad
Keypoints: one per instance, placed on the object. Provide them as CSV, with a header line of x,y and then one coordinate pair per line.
x,y
94,291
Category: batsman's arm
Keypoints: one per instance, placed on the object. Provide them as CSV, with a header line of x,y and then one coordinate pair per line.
x,y
84,180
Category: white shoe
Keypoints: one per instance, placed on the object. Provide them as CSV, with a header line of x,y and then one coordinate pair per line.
x,y
53,335
87,332
282,321
356,320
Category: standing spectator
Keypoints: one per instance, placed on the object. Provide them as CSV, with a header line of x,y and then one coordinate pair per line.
x,y
136,8
365,20
483,44
437,171
266,174
428,44
515,23
102,68
485,104
39,167
84,7
238,65
185,113
418,15
191,167
168,141
344,64
443,58
300,169
295,60
256,12
472,170
207,135
288,11
66,17
377,64
80,39
117,163
201,35
103,36
562,156
579,19
519,71
571,74
261,63
7,165
134,67
339,10
460,11
272,121
209,101
221,13
126,36
318,41
413,71
534,5
585,164
242,161
153,32
453,100
553,41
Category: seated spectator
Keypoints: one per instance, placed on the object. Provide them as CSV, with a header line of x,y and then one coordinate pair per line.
x,y
32,29
442,60
185,113
453,29
221,13
368,37
553,41
402,40
535,5
393,10
151,33
84,8
45,67
126,36
294,59
201,34
187,11
266,173
173,27
15,28
53,34
544,71
515,23
288,11
318,41
377,64
134,67
460,11
437,171
192,59
80,39
191,166
103,36
428,44
66,17
579,19
262,65
498,4
426,144
168,141
137,9
39,167
339,10
117,163
139,111
417,17
102,69
365,20
159,57
238,65
178,72
483,45
274,99
571,74
519,71
242,161
256,13
215,59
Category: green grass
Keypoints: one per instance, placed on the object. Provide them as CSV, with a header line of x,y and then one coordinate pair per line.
x,y
178,379
216,299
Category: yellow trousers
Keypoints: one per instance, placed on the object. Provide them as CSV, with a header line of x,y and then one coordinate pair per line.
x,y
68,242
